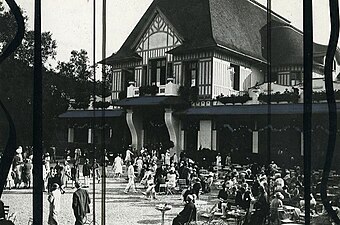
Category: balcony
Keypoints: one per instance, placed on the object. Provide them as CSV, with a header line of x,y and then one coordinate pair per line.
x,y
170,89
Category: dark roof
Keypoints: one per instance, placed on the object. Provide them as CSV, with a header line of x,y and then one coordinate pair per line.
x,y
229,24
287,46
151,101
279,109
91,113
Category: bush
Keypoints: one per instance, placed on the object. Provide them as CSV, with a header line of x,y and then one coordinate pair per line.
x,y
189,94
234,99
148,90
103,105
280,97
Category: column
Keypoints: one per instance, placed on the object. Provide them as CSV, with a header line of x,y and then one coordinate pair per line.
x,y
89,136
205,134
255,148
135,124
214,140
174,129
70,135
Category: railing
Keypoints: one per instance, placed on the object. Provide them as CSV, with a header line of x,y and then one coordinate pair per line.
x,y
170,89
225,91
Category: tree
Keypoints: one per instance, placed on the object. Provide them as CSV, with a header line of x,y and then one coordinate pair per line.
x,y
78,72
16,79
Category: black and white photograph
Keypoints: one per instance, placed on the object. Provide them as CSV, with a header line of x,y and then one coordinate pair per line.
x,y
169,112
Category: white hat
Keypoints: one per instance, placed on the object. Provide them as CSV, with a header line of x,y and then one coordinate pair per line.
x,y
19,150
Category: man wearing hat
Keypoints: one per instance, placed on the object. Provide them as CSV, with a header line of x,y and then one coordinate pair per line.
x,y
54,200
80,204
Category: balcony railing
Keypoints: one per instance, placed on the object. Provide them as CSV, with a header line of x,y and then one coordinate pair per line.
x,y
170,89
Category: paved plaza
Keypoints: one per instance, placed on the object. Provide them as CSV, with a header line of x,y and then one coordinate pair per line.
x,y
131,208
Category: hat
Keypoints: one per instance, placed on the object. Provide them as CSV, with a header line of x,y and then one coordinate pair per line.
x,y
279,195
190,198
19,150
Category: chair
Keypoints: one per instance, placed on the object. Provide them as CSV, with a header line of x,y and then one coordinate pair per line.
x,y
182,183
169,188
164,187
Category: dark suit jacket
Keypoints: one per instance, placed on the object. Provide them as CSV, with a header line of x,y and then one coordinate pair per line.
x,y
80,203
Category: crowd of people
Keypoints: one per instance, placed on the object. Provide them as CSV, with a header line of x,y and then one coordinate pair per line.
x,y
257,190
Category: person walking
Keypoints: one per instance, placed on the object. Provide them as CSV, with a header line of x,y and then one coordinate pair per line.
x,y
86,172
129,154
95,170
131,176
118,166
54,200
80,204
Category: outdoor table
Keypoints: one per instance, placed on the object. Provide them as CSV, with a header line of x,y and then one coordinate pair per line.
x,y
238,215
163,209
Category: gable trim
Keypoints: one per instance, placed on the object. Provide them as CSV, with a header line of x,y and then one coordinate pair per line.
x,y
149,22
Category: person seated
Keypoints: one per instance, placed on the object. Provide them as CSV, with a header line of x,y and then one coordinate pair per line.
x,y
150,190
188,213
197,187
275,204
172,179
223,200
160,180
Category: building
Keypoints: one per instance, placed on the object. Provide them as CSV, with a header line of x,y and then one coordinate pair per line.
x,y
193,74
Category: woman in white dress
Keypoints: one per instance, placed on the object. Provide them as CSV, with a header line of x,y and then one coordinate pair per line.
x,y
118,166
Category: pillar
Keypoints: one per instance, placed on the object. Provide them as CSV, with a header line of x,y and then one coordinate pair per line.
x,y
89,136
255,148
70,135
135,124
174,130
205,134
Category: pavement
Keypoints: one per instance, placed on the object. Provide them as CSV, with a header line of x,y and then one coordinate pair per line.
x,y
120,208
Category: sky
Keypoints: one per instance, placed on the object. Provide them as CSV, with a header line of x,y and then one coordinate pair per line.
x,y
71,21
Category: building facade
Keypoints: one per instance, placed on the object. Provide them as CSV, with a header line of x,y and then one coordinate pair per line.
x,y
196,75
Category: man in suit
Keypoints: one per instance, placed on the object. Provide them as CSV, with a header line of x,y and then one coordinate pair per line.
x,y
80,204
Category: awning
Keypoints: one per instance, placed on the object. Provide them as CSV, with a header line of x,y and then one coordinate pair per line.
x,y
259,109
151,101
91,113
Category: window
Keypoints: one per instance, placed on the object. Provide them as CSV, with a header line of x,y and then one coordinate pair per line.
x,y
289,78
170,70
144,76
191,74
333,65
158,71
128,75
235,78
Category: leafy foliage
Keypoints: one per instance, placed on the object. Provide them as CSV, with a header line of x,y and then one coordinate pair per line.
x,y
148,90
292,97
189,94
234,99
